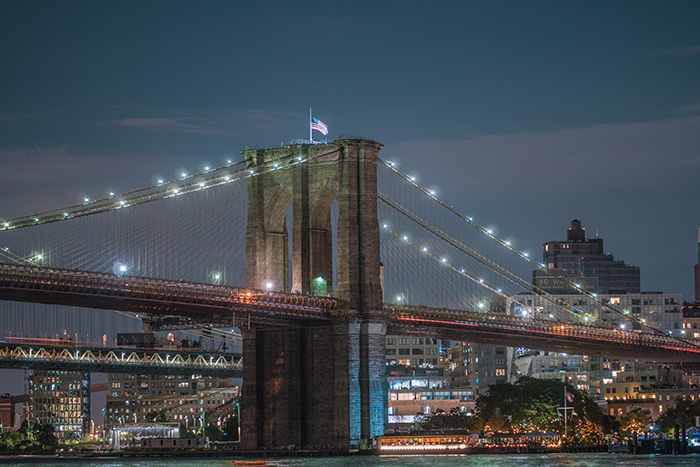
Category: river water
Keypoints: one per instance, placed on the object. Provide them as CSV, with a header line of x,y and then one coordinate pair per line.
x,y
528,460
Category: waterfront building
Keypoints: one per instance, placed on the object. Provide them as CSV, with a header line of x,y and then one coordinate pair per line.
x,y
61,398
186,399
414,392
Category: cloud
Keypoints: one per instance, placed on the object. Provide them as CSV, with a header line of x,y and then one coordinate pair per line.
x,y
223,122
186,125
687,51
612,155
687,109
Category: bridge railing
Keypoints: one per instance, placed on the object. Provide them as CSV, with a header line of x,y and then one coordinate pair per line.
x,y
94,283
553,328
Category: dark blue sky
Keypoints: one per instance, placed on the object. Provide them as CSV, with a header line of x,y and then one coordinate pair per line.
x,y
525,114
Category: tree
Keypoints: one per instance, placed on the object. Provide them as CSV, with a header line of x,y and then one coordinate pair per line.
x,y
213,433
231,429
682,413
455,418
636,421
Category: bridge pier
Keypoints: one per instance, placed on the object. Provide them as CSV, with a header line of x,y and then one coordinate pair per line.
x,y
314,385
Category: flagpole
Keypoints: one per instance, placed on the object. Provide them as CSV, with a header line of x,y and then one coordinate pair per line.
x,y
565,412
311,131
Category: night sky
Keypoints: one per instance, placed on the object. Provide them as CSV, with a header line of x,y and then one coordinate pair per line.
x,y
524,114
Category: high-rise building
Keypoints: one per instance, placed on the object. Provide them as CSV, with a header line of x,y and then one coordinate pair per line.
x,y
584,261
61,398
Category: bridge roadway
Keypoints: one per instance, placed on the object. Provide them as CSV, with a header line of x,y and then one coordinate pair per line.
x,y
45,356
201,304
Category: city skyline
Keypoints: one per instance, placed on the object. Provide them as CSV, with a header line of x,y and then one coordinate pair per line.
x,y
524,115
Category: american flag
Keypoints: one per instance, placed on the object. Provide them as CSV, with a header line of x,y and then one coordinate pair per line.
x,y
318,125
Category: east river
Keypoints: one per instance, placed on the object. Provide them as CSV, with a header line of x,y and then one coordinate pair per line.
x,y
481,460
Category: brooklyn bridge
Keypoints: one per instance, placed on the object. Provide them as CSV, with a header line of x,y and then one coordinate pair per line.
x,y
316,252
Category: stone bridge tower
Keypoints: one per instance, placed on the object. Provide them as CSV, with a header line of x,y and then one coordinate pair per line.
x,y
315,384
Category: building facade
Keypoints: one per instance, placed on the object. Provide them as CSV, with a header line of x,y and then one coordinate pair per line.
x,y
584,261
61,398
186,399
631,311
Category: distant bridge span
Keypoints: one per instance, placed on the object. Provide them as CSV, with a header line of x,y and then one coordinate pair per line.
x,y
204,304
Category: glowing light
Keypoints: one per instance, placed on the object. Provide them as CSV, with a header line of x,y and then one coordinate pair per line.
x,y
122,202
385,226
405,238
471,219
65,214
525,254
227,178
412,178
462,271
111,194
229,162
87,200
399,298
481,281
489,231
481,305
543,266
39,257
578,286
432,192
183,175
443,260
268,285
585,318
392,164
425,249
36,219
120,269
319,279
176,191
299,158
201,185
217,276
206,168
7,225
252,172
160,181
507,243
498,290
276,165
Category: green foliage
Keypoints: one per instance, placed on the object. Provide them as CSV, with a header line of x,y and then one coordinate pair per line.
x,y
529,405
213,433
636,421
31,438
683,413
454,419
231,429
